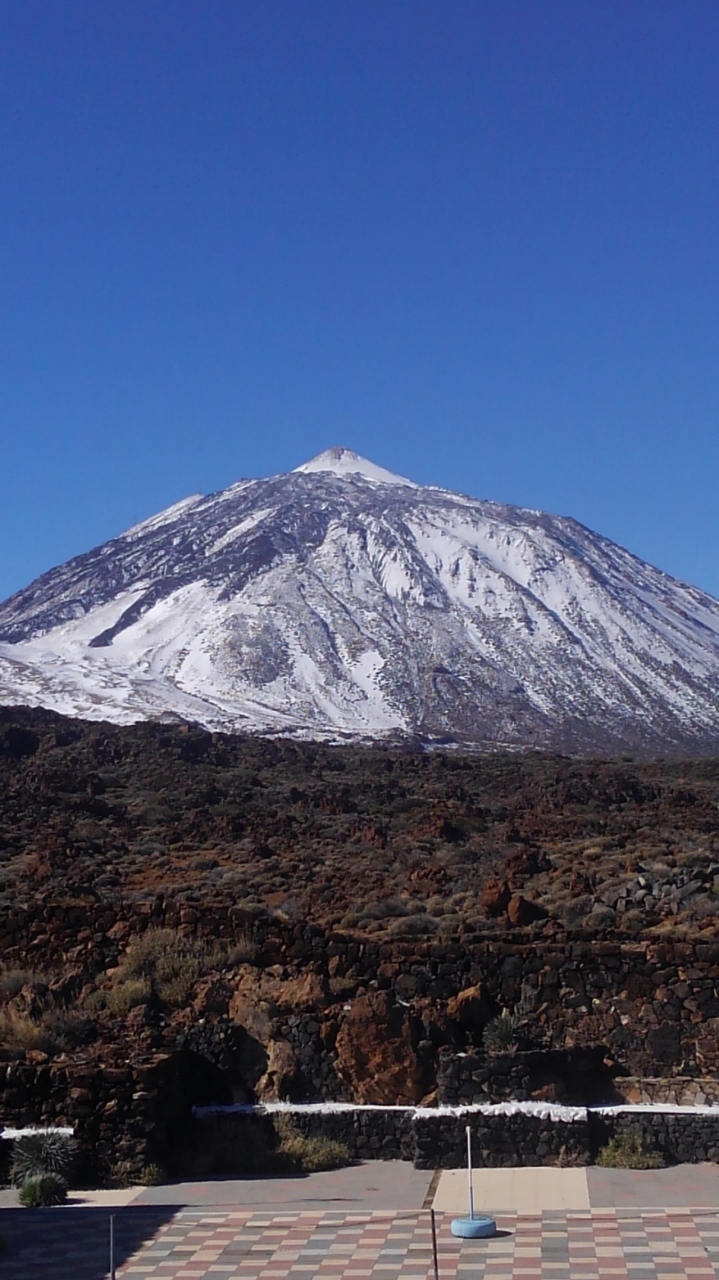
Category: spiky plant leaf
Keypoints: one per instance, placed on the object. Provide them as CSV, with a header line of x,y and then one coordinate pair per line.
x,y
42,1152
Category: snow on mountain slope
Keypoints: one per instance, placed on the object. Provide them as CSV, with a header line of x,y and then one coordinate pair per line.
x,y
340,600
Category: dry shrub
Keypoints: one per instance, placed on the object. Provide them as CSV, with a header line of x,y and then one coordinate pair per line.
x,y
54,1030
18,1033
151,1175
413,927
120,999
629,1150
241,951
159,963
164,965
309,1154
12,982
261,1146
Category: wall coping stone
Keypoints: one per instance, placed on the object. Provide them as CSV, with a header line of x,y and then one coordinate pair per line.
x,y
542,1110
9,1135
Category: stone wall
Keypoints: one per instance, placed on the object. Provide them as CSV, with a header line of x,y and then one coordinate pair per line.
x,y
431,1139
499,1141
125,1116
681,1091
655,1005
575,1076
688,1137
501,1137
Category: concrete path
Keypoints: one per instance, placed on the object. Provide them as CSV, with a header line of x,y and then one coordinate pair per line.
x,y
692,1186
396,1185
380,1184
516,1190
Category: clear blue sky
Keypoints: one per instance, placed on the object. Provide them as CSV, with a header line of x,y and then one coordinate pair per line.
x,y
475,240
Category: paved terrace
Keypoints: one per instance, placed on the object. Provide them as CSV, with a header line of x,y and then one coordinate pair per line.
x,y
586,1224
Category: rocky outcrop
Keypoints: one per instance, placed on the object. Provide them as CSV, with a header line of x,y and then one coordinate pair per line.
x,y
376,1057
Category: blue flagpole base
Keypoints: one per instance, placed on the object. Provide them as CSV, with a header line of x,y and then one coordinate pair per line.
x,y
477,1228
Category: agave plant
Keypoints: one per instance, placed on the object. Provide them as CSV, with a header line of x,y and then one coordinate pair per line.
x,y
43,1191
502,1034
44,1151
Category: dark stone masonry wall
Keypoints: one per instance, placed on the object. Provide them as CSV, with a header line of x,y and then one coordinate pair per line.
x,y
655,1005
125,1116
682,1138
498,1140
430,1141
575,1076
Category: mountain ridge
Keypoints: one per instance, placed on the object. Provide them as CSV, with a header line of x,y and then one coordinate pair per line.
x,y
340,601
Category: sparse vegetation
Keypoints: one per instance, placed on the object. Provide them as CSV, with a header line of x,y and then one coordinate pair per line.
x,y
12,982
19,1032
629,1150
150,810
49,1029
502,1034
151,1176
121,847
164,966
308,1154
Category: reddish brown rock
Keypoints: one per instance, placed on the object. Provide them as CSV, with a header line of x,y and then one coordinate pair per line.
x,y
495,897
212,995
278,994
375,1057
280,1074
469,1008
521,911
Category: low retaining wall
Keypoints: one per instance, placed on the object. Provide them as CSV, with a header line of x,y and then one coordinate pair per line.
x,y
683,1135
680,1091
504,1135
575,1076
432,1137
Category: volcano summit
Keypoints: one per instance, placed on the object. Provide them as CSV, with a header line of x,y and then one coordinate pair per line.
x,y
340,601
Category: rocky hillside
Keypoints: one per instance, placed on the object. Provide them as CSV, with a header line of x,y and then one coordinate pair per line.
x,y
391,843
189,918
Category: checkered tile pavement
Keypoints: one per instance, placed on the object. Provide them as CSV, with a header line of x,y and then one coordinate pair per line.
x,y
240,1245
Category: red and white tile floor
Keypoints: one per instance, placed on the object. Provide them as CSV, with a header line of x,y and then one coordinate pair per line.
x,y
235,1244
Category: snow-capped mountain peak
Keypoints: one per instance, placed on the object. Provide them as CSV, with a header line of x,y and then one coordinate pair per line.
x,y
344,462
342,601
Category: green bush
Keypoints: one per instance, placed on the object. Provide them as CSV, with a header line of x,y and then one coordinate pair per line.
x,y
43,1191
44,1152
628,1150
